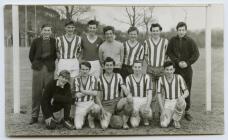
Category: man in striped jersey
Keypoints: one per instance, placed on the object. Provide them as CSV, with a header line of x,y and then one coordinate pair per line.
x,y
155,50
68,48
85,88
133,51
111,99
111,48
140,87
90,45
175,92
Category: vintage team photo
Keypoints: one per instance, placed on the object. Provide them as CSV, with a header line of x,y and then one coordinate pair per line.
x,y
98,70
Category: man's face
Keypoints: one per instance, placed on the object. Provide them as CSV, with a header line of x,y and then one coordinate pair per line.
x,y
92,29
169,70
137,68
109,67
181,31
46,32
155,32
133,35
62,80
84,71
109,36
70,29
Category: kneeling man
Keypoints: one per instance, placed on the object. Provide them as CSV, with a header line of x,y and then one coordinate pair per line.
x,y
85,87
57,96
111,99
140,87
175,92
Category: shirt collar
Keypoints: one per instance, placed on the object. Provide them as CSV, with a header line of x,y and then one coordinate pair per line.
x,y
185,37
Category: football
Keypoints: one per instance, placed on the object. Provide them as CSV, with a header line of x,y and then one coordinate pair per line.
x,y
116,122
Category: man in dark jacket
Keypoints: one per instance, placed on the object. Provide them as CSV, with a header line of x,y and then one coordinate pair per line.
x,y
42,56
183,51
57,95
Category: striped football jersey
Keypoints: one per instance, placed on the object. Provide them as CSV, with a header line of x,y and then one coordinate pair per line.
x,y
110,89
66,49
139,88
156,52
174,89
91,84
132,53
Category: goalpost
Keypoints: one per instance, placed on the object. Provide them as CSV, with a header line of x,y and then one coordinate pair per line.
x,y
16,58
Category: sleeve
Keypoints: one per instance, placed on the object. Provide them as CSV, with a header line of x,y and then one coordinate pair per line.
x,y
120,79
99,85
195,53
121,53
100,53
142,52
76,85
58,47
171,52
148,83
159,86
79,46
182,83
32,51
145,47
94,83
128,83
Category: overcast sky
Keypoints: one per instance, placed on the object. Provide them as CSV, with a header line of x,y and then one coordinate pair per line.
x,y
166,16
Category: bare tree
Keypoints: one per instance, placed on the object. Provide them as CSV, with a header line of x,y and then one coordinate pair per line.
x,y
133,15
71,11
148,18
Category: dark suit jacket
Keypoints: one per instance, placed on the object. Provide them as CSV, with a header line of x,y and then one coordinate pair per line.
x,y
35,55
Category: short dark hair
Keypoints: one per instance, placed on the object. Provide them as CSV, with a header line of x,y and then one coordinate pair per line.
x,y
153,25
133,29
45,25
109,59
107,28
85,63
93,22
65,74
181,24
69,23
168,63
138,61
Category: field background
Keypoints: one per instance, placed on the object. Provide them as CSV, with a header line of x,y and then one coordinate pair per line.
x,y
203,123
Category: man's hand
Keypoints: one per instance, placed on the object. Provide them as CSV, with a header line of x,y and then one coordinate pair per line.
x,y
129,99
182,64
48,121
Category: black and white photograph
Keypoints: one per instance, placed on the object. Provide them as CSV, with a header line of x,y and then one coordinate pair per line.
x,y
114,70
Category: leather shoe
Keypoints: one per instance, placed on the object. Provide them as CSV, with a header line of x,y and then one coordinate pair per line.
x,y
188,117
33,120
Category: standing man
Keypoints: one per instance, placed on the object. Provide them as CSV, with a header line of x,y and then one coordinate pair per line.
x,y
140,87
68,50
111,48
42,55
155,50
175,91
133,51
57,96
183,51
90,46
